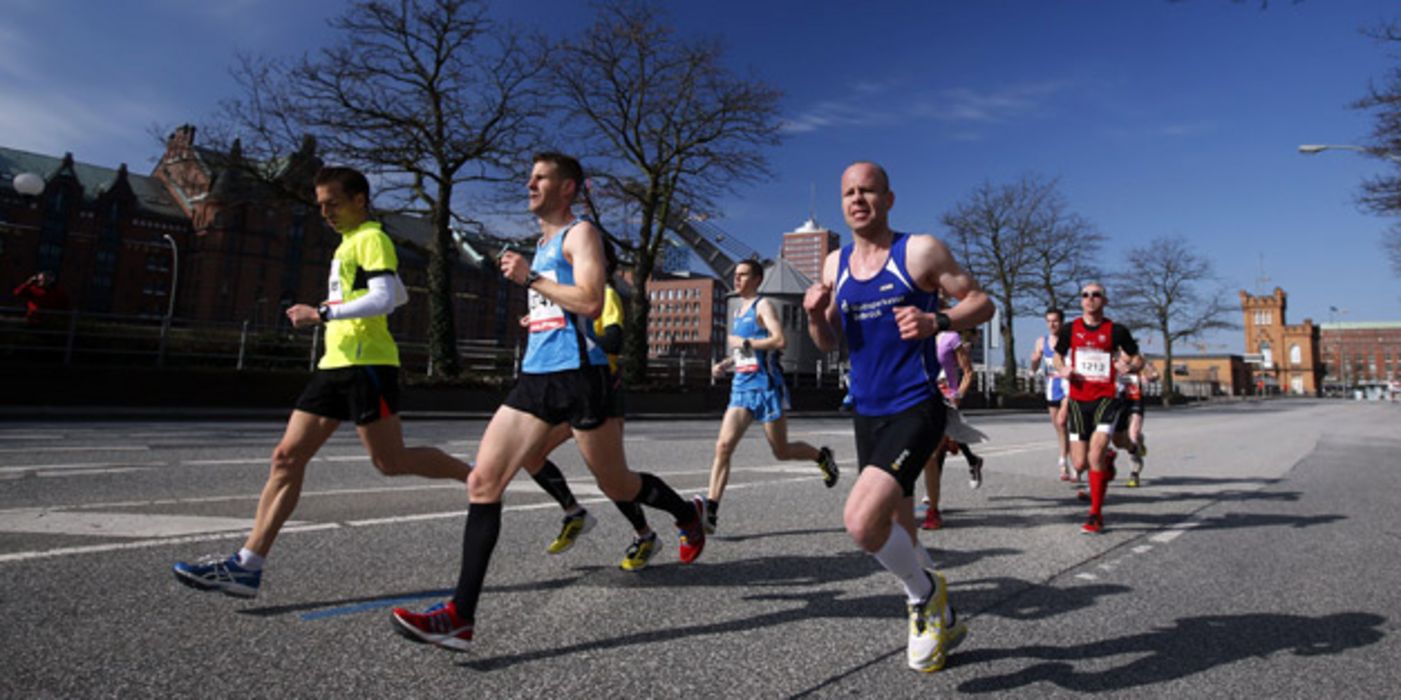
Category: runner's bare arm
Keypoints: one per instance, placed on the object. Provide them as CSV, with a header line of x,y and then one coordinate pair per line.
x,y
823,324
934,269
583,248
768,318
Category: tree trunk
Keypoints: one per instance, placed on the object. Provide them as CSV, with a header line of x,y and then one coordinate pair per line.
x,y
442,329
1009,350
634,359
1167,369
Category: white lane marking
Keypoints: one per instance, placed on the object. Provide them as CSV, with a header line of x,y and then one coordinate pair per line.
x,y
1169,535
76,448
86,472
111,547
143,544
76,465
1143,549
135,525
1087,577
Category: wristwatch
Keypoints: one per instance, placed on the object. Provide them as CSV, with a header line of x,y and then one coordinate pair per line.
x,y
530,279
748,347
943,320
324,311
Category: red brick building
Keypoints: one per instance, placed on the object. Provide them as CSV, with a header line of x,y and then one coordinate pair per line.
x,y
687,315
248,248
1361,354
806,248
1288,355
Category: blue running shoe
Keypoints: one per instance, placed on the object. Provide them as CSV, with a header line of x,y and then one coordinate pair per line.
x,y
214,573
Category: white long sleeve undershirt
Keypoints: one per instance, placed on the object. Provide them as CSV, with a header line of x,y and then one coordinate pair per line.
x,y
379,301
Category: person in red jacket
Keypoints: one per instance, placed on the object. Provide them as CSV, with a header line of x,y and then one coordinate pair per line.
x,y
40,293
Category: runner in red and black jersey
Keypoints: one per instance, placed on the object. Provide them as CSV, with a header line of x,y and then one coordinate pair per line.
x,y
1090,353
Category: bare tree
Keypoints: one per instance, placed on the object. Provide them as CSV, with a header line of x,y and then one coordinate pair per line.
x,y
427,95
996,232
1063,260
1381,195
1165,292
664,127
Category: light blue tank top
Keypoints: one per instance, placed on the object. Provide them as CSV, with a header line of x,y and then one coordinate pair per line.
x,y
557,340
752,369
1055,385
888,374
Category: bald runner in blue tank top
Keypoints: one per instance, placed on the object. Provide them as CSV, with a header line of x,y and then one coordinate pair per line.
x,y
888,374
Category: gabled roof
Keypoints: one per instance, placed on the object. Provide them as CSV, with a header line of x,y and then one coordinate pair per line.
x,y
783,278
96,180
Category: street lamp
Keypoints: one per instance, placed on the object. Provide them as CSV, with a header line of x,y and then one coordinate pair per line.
x,y
174,274
1311,149
170,308
28,184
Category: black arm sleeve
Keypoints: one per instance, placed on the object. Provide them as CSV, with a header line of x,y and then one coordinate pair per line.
x,y
1063,340
1123,339
612,340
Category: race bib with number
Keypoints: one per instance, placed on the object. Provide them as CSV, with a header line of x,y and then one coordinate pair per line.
x,y
1092,365
545,315
745,362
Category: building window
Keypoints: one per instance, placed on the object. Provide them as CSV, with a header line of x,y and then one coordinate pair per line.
x,y
1267,356
1296,356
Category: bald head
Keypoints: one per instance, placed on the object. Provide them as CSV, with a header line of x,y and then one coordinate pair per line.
x,y
872,167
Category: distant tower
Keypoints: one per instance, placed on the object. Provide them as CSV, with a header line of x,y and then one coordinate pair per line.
x,y
1288,355
807,247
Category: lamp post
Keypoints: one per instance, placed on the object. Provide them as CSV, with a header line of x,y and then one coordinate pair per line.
x,y
170,306
174,274
1312,149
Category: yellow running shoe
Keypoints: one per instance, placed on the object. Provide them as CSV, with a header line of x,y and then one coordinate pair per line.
x,y
639,553
574,525
934,629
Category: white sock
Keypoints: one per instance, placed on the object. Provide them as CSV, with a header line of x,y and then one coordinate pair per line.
x,y
250,559
925,560
1061,463
898,557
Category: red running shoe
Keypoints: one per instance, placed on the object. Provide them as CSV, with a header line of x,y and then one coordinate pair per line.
x,y
932,520
693,537
438,625
1093,526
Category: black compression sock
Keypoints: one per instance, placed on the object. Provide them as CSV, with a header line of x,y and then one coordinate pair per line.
x,y
633,513
712,507
657,494
551,479
478,539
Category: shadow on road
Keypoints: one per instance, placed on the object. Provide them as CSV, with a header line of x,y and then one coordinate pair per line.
x,y
1193,645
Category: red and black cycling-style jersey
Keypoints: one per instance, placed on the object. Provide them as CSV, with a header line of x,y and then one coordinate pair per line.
x,y
1090,350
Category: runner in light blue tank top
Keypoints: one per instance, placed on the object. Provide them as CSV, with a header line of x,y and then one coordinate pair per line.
x,y
758,392
557,342
1042,361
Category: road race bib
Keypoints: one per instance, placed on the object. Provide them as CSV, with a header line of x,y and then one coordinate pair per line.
x,y
334,293
545,315
1092,365
745,362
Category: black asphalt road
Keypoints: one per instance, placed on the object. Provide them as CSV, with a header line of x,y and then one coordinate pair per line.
x,y
1259,560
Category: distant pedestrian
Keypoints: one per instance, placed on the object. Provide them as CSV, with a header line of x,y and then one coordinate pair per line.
x,y
41,293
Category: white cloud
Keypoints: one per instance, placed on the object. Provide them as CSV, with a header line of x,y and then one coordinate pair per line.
x,y
885,103
91,122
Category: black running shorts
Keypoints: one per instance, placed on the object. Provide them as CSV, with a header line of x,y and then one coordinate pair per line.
x,y
1084,417
584,398
363,393
900,443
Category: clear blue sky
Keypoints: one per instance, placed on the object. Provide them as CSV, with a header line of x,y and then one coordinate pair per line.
x,y
1159,118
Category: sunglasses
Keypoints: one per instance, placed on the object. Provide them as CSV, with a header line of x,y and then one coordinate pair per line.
x,y
1091,295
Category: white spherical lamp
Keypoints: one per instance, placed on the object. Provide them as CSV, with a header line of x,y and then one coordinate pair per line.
x,y
28,184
